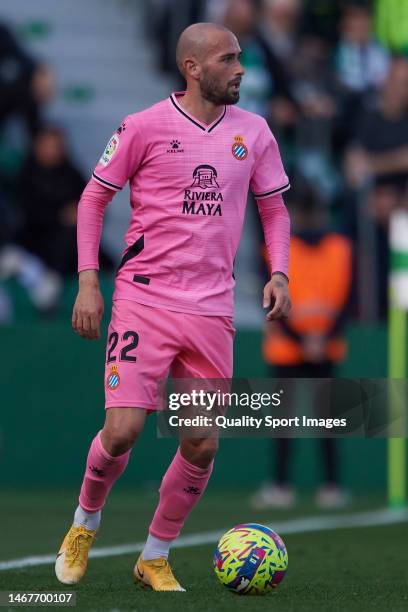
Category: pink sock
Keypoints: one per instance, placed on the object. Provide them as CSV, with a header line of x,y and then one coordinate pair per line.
x,y
102,471
182,486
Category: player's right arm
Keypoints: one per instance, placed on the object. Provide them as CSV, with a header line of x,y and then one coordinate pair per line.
x,y
88,307
120,160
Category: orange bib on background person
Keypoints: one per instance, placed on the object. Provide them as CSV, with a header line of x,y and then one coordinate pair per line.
x,y
320,280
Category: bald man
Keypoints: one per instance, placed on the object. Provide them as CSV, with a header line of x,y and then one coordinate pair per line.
x,y
189,160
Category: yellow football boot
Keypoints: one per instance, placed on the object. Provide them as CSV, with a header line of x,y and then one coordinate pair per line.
x,y
72,559
156,574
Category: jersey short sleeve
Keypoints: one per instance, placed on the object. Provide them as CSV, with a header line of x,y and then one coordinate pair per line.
x,y
268,176
122,155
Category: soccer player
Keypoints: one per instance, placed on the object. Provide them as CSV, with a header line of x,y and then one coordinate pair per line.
x,y
190,160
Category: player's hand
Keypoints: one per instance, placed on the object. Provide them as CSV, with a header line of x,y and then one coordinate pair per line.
x,y
276,295
88,308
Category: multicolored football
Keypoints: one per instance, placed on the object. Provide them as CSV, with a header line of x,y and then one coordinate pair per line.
x,y
250,559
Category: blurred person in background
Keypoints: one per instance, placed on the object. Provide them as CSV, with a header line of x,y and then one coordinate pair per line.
x,y
310,343
306,56
380,148
50,188
43,286
314,155
320,19
280,24
168,18
266,88
25,85
361,64
378,160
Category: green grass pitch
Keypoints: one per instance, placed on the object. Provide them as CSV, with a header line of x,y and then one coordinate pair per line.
x,y
360,569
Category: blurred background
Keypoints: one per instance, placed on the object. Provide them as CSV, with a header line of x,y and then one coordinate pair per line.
x,y
331,78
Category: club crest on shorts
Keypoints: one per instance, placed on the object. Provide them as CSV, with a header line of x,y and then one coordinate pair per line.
x,y
239,149
113,380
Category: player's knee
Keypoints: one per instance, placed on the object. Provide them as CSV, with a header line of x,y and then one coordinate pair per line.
x,y
206,451
200,452
121,429
118,439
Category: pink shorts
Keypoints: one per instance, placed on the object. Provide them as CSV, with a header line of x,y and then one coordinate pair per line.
x,y
145,343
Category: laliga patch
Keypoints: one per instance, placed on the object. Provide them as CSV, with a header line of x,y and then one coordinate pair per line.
x,y
113,380
110,150
239,149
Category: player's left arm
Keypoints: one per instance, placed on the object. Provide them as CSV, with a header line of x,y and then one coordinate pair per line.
x,y
268,182
276,226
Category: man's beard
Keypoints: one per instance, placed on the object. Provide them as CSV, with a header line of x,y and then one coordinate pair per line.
x,y
211,91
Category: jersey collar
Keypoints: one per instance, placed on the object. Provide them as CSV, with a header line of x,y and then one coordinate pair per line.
x,y
203,126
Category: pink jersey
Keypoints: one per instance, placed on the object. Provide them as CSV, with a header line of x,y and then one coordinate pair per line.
x,y
188,190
